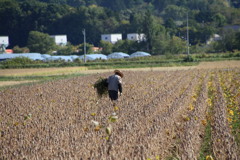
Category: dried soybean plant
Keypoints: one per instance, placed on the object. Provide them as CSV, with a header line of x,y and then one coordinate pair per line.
x,y
160,116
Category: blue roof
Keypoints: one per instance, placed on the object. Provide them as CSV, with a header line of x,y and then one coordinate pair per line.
x,y
139,54
117,55
93,56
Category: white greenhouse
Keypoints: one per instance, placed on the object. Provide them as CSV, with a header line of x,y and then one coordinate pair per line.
x,y
32,56
65,58
139,54
91,57
117,55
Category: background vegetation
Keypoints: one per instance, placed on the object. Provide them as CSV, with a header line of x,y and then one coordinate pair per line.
x,y
162,21
167,60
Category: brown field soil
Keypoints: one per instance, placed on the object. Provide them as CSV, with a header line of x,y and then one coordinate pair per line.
x,y
84,70
162,114
219,64
71,70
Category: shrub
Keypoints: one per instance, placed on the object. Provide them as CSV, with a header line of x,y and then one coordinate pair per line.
x,y
189,59
17,62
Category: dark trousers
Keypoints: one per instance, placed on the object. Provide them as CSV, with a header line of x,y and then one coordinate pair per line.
x,y
113,95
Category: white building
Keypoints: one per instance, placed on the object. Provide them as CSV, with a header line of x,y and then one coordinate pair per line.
x,y
214,38
4,42
136,37
112,38
60,40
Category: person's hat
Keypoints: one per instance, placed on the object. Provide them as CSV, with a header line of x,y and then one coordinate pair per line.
x,y
118,73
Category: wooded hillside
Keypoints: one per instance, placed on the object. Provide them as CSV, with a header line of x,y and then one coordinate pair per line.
x,y
158,19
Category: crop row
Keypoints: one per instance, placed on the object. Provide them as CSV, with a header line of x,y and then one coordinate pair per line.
x,y
161,114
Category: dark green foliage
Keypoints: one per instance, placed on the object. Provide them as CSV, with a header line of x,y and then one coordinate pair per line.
x,y
101,87
17,49
151,17
189,59
40,42
18,62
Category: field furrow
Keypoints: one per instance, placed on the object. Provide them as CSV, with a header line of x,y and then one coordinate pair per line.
x,y
224,145
182,114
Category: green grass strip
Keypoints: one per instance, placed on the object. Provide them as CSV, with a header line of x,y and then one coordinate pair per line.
x,y
206,147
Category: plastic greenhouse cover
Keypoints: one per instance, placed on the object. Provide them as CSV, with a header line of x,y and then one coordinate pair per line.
x,y
140,54
117,55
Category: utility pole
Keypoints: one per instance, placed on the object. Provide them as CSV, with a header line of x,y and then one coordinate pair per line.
x,y
187,37
84,35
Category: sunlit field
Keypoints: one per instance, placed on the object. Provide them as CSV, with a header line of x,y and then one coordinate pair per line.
x,y
181,113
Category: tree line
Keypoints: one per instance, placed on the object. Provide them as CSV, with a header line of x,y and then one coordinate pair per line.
x,y
162,21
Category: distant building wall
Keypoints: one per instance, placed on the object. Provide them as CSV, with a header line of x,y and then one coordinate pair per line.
x,y
136,37
4,42
112,38
214,38
60,40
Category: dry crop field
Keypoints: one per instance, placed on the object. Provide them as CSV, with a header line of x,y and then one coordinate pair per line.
x,y
181,114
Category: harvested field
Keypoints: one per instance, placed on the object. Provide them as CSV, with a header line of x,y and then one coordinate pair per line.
x,y
182,114
40,71
10,83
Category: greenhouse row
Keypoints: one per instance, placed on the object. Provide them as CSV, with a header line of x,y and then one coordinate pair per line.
x,y
89,57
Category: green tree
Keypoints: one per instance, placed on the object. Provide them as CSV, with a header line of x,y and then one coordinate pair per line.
x,y
40,42
106,47
175,12
237,40
126,46
219,20
136,21
151,29
161,43
66,50
88,48
227,42
10,15
176,46
171,26
17,49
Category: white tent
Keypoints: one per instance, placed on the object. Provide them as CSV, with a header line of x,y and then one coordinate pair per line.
x,y
139,54
117,55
